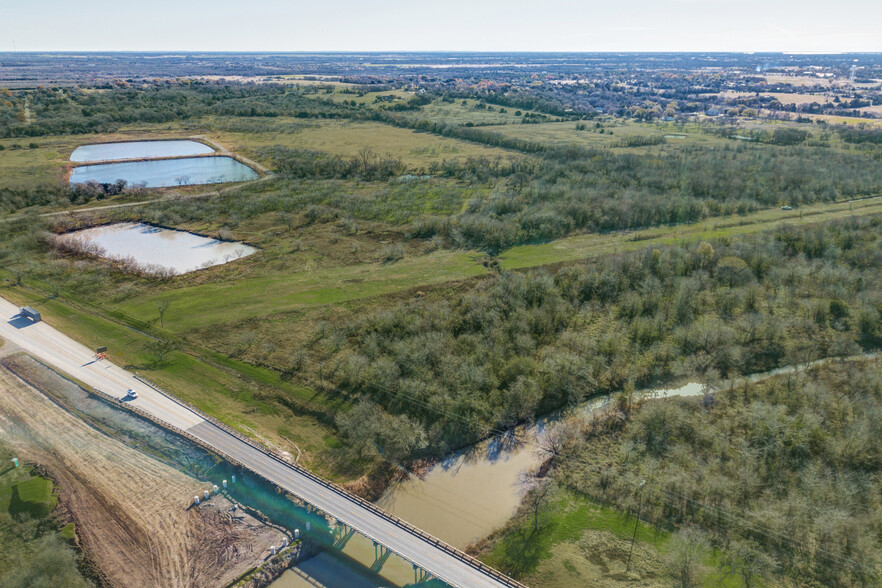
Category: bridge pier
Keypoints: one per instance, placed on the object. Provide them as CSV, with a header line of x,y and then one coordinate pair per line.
x,y
420,575
381,554
342,534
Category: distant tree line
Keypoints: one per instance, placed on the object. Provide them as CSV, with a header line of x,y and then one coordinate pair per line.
x,y
61,111
306,163
858,136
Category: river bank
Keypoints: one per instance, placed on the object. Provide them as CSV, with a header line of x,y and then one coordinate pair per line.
x,y
468,495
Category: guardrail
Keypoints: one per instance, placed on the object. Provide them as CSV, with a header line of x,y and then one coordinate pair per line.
x,y
415,531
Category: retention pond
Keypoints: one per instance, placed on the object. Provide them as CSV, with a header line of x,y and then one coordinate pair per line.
x,y
157,249
161,173
138,150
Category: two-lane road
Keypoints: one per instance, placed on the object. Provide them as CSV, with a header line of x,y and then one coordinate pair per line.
x,y
54,348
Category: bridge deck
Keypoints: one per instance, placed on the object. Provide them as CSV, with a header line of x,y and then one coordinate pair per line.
x,y
56,349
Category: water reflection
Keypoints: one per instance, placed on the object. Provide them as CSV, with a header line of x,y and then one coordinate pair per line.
x,y
138,150
161,173
155,247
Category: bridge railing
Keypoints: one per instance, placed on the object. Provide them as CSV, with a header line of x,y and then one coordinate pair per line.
x,y
401,523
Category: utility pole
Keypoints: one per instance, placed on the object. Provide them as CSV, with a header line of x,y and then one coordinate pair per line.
x,y
636,523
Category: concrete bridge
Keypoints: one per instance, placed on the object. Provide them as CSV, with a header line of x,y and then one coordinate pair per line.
x,y
428,554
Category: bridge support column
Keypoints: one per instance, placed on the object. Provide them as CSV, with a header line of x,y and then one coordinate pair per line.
x,y
420,575
381,554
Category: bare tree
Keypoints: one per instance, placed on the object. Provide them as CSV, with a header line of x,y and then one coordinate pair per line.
x,y
162,306
749,562
557,438
539,494
687,550
366,157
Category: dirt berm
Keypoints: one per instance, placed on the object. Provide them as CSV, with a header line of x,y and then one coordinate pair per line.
x,y
129,505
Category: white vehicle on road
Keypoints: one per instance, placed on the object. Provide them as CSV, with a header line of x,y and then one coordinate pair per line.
x,y
131,394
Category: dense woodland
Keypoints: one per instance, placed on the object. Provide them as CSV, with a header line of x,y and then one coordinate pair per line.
x,y
61,111
522,344
781,477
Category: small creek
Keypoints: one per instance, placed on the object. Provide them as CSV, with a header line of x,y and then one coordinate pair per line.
x,y
468,495
471,493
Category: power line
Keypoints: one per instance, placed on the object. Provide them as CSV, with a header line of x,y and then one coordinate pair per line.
x,y
760,529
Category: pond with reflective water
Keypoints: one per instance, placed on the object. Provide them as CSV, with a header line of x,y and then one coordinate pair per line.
x,y
157,248
138,150
166,172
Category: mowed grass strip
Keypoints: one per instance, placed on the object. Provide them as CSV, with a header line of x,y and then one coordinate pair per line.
x,y
224,302
241,395
34,497
597,244
206,304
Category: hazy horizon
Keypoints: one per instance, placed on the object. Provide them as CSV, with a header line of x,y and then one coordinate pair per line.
x,y
501,52
270,26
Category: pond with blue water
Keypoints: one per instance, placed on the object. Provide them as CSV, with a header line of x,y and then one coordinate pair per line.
x,y
138,150
161,173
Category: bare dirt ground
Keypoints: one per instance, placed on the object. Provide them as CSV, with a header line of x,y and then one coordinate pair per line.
x,y
7,348
130,509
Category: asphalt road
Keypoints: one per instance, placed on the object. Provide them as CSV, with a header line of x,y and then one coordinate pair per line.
x,y
56,349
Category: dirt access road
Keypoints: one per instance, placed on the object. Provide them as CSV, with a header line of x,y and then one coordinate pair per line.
x,y
130,509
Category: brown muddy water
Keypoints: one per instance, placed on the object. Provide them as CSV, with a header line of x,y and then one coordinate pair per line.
x,y
472,493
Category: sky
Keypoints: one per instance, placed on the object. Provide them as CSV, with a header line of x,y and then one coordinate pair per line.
x,y
441,25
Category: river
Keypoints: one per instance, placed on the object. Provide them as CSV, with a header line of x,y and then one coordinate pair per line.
x,y
468,495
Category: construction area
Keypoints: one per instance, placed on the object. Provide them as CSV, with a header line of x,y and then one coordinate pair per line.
x,y
133,511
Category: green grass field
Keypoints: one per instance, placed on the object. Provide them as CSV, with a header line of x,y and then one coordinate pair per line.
x,y
615,131
29,167
346,138
582,543
368,98
206,304
460,114
542,558
31,545
34,497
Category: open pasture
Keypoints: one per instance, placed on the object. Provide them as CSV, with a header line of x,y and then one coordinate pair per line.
x,y
348,139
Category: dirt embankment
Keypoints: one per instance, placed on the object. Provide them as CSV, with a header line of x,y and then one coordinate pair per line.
x,y
130,508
